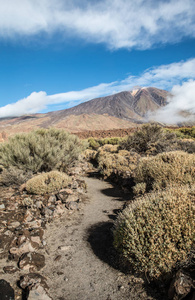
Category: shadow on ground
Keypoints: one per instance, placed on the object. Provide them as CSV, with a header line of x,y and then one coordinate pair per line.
x,y
100,238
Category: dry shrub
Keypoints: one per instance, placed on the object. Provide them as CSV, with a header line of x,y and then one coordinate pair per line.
x,y
109,148
150,139
14,176
41,151
163,169
89,154
187,145
122,163
157,230
47,183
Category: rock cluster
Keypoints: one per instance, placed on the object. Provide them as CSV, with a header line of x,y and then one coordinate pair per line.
x,y
23,219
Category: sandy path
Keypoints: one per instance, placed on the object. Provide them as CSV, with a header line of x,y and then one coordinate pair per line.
x,y
80,261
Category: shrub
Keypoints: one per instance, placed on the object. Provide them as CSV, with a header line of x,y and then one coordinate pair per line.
x,y
150,139
93,144
14,176
96,143
157,230
122,163
187,133
163,169
40,151
47,183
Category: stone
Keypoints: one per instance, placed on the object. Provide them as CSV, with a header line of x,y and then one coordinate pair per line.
x,y
52,199
6,291
59,210
38,293
64,248
31,279
27,246
180,286
2,206
47,212
72,205
13,225
34,224
31,261
66,191
10,269
73,198
39,204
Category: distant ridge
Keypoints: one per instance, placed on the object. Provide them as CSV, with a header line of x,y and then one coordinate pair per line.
x,y
128,105
121,110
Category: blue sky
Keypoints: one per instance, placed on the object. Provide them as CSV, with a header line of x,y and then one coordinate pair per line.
x,y
55,54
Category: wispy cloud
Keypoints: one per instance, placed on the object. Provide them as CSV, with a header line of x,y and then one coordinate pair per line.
x,y
165,77
116,23
181,101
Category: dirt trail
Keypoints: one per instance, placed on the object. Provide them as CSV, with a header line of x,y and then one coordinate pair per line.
x,y
81,262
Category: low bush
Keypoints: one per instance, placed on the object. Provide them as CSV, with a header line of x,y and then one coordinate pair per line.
x,y
47,183
167,168
157,230
41,151
150,139
14,176
94,144
120,164
186,133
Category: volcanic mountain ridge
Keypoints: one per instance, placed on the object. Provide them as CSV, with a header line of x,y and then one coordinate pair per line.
x,y
121,110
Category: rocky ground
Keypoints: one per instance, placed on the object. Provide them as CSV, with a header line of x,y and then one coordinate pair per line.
x,y
60,246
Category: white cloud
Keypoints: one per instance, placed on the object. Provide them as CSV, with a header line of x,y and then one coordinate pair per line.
x,y
164,77
117,23
182,100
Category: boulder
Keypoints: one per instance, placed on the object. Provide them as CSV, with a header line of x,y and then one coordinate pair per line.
x,y
6,291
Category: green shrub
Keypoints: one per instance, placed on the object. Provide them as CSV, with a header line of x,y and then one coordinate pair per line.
x,y
47,183
186,133
159,171
157,230
94,144
41,151
150,139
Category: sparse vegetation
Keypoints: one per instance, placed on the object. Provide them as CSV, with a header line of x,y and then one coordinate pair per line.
x,y
121,164
157,230
96,143
14,176
150,140
184,133
41,151
159,171
47,183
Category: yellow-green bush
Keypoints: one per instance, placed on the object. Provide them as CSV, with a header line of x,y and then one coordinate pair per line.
x,y
41,151
166,168
47,183
157,230
122,163
95,143
187,133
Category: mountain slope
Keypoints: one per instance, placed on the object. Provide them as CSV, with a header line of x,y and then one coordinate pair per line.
x,y
121,110
130,105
